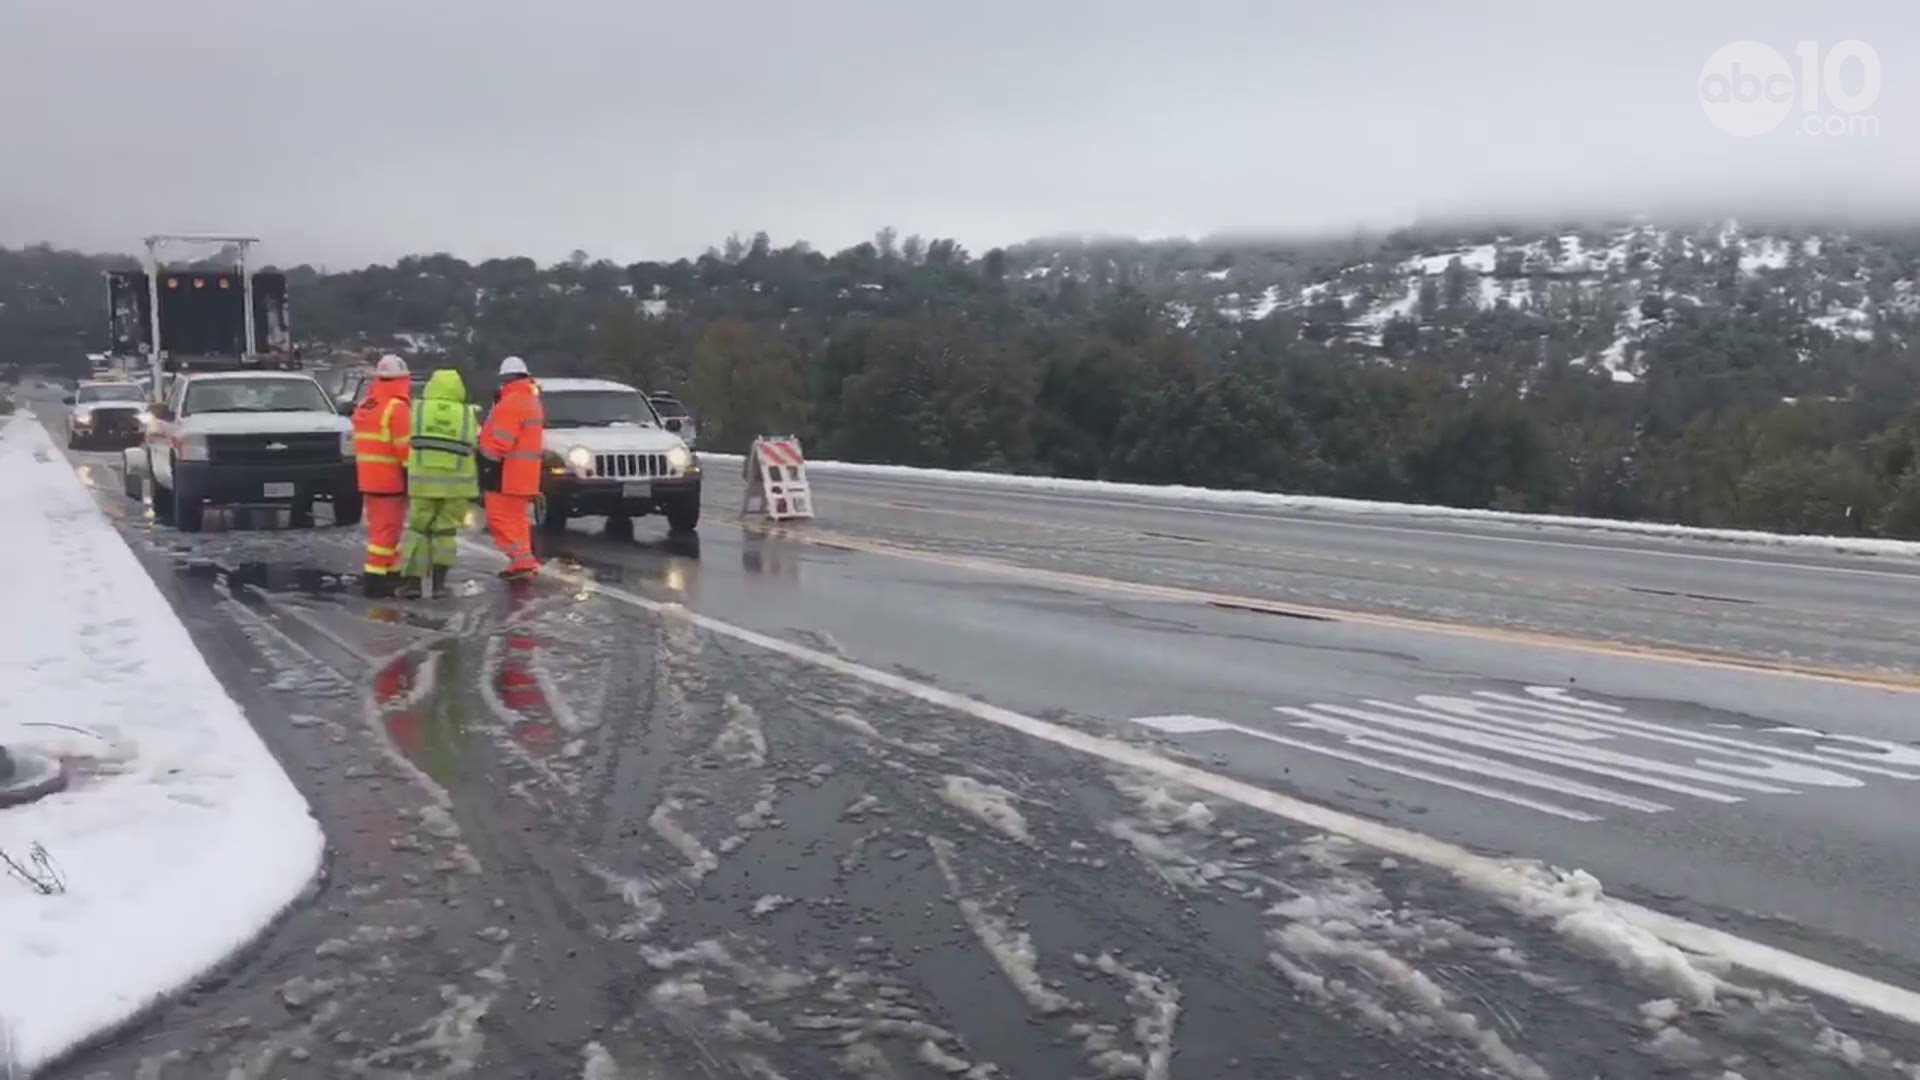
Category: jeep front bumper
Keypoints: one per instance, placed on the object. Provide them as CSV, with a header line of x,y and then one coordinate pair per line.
x,y
577,496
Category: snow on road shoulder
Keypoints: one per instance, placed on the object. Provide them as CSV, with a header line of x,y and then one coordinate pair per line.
x,y
180,836
1277,501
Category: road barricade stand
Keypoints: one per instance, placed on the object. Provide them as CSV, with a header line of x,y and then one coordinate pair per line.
x,y
776,475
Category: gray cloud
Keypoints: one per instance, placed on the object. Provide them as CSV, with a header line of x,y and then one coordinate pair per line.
x,y
354,130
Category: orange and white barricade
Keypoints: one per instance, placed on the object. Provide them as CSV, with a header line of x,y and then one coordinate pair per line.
x,y
776,474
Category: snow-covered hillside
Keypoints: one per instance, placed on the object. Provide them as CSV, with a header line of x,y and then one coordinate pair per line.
x,y
1613,288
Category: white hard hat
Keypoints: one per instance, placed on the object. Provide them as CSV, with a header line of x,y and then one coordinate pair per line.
x,y
512,365
390,367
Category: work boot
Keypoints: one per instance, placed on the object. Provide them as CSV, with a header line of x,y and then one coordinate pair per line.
x,y
440,581
410,588
377,586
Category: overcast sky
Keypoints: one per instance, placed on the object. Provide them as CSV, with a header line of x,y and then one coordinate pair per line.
x,y
349,131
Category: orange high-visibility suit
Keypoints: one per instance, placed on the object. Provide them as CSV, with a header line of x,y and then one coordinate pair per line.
x,y
382,430
511,441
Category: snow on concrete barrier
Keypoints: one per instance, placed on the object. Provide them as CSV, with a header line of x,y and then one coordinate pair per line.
x,y
1275,501
181,838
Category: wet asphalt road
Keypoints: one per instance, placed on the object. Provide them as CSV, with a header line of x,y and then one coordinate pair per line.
x,y
569,837
1793,828
1801,606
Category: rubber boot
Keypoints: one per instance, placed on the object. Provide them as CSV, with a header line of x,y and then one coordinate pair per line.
x,y
440,581
410,588
377,586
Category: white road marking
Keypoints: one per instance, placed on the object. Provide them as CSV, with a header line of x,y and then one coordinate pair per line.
x,y
1698,740
1878,749
1306,518
1482,735
1455,783
1419,749
1513,882
1583,758
1594,764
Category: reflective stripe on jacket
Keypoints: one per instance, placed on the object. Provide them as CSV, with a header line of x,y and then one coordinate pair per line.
x,y
380,432
513,435
440,464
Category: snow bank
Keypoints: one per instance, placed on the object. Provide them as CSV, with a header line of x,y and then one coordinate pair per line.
x,y
1278,502
180,838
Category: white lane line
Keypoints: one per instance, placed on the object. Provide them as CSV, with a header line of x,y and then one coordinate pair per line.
x,y
1718,744
1187,725
1513,882
1371,739
1300,517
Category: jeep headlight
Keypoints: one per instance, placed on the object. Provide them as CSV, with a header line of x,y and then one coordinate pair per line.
x,y
346,444
82,418
580,457
679,458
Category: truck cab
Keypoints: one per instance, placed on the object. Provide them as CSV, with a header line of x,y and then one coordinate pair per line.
x,y
227,438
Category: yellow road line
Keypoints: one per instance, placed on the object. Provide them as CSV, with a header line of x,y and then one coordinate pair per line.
x,y
1901,682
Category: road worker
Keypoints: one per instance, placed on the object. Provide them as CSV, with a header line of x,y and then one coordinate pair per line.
x,y
380,430
511,440
442,481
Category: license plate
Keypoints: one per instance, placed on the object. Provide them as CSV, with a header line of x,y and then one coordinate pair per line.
x,y
276,491
637,489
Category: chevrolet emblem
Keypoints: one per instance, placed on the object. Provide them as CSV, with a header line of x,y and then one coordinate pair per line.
x,y
276,446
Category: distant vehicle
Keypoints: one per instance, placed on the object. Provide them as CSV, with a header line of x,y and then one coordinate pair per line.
x,y
673,415
106,413
248,438
608,453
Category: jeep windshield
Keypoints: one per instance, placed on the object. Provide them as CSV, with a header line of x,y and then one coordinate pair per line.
x,y
255,395
596,408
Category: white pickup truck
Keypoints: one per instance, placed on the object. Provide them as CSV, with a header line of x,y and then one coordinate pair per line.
x,y
245,438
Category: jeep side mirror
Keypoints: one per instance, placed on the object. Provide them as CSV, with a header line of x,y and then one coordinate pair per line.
x,y
344,406
674,425
67,399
